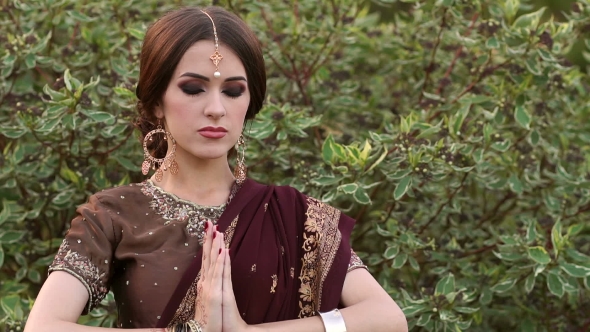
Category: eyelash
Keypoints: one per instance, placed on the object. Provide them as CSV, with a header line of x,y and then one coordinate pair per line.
x,y
227,92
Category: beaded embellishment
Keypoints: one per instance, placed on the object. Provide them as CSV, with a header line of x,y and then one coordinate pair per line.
x,y
173,208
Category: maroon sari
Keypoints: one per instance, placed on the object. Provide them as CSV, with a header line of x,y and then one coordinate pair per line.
x,y
289,252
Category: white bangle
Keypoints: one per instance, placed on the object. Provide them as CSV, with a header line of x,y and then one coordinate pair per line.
x,y
333,321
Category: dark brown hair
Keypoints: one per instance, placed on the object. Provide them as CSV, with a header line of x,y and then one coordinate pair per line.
x,y
170,37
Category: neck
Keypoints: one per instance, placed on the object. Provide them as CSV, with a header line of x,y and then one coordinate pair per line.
x,y
202,181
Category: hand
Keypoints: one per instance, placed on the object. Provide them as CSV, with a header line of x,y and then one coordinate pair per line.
x,y
208,310
232,320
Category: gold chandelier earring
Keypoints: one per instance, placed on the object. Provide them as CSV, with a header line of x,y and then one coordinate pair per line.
x,y
240,170
159,164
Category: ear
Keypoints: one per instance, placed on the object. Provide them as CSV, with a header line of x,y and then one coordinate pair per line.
x,y
158,111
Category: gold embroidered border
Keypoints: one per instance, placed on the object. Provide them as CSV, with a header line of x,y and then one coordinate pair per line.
x,y
321,239
355,262
82,268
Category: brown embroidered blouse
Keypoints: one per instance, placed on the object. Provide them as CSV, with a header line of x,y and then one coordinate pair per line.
x,y
136,240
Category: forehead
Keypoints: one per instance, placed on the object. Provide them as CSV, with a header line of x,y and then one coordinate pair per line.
x,y
197,59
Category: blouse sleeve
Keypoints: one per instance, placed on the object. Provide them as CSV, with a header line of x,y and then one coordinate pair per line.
x,y
87,250
355,262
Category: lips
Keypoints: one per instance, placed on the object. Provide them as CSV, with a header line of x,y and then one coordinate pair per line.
x,y
213,132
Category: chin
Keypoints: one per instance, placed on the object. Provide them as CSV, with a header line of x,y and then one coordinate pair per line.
x,y
210,155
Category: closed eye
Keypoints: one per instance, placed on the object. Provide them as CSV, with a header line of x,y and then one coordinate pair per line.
x,y
192,91
234,92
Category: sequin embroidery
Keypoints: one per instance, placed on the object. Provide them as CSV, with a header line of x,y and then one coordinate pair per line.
x,y
84,270
173,208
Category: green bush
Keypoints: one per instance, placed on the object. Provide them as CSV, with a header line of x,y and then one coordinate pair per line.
x,y
456,134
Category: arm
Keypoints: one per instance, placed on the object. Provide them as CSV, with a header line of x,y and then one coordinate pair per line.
x,y
71,296
367,308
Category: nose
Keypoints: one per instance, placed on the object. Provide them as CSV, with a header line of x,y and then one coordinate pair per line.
x,y
214,108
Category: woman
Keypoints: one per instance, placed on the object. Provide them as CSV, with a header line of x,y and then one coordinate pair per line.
x,y
197,247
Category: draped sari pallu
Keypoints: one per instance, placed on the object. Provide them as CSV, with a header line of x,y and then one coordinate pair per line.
x,y
289,254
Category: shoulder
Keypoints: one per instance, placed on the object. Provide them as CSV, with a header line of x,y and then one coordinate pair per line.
x,y
125,195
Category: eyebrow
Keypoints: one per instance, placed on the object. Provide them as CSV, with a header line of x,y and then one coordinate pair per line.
x,y
205,78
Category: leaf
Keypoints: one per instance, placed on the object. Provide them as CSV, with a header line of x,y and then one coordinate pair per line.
x,y
574,270
361,196
402,187
445,285
511,8
466,310
460,118
391,252
11,236
531,232
529,283
63,197
399,260
102,117
502,146
534,137
515,184
136,33
349,188
34,276
424,319
529,20
492,43
413,310
79,16
539,255
486,296
522,117
6,210
556,237
504,285
414,263
329,153
577,256
555,285
13,132
9,304
1,256
428,132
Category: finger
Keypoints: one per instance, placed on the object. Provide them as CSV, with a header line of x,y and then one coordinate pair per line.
x,y
217,277
214,252
227,285
206,248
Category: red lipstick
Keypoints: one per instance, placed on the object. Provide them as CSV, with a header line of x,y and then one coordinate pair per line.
x,y
213,132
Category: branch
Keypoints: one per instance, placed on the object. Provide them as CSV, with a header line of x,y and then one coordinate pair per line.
x,y
478,251
496,207
433,55
444,204
457,53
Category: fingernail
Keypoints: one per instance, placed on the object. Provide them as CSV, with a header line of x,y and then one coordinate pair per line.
x,y
206,226
214,234
220,251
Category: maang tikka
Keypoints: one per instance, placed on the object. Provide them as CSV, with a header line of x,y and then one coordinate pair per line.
x,y
215,57
240,170
159,164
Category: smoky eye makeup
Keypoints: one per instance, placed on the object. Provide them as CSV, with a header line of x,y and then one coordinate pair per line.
x,y
191,88
234,90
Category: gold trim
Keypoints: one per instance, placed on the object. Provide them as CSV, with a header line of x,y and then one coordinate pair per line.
x,y
275,281
321,240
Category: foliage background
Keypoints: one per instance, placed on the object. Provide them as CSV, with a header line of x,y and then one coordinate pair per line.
x,y
456,132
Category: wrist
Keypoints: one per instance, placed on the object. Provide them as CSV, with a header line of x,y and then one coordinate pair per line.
x,y
255,328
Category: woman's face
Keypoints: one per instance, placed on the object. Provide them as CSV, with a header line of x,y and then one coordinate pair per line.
x,y
205,114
